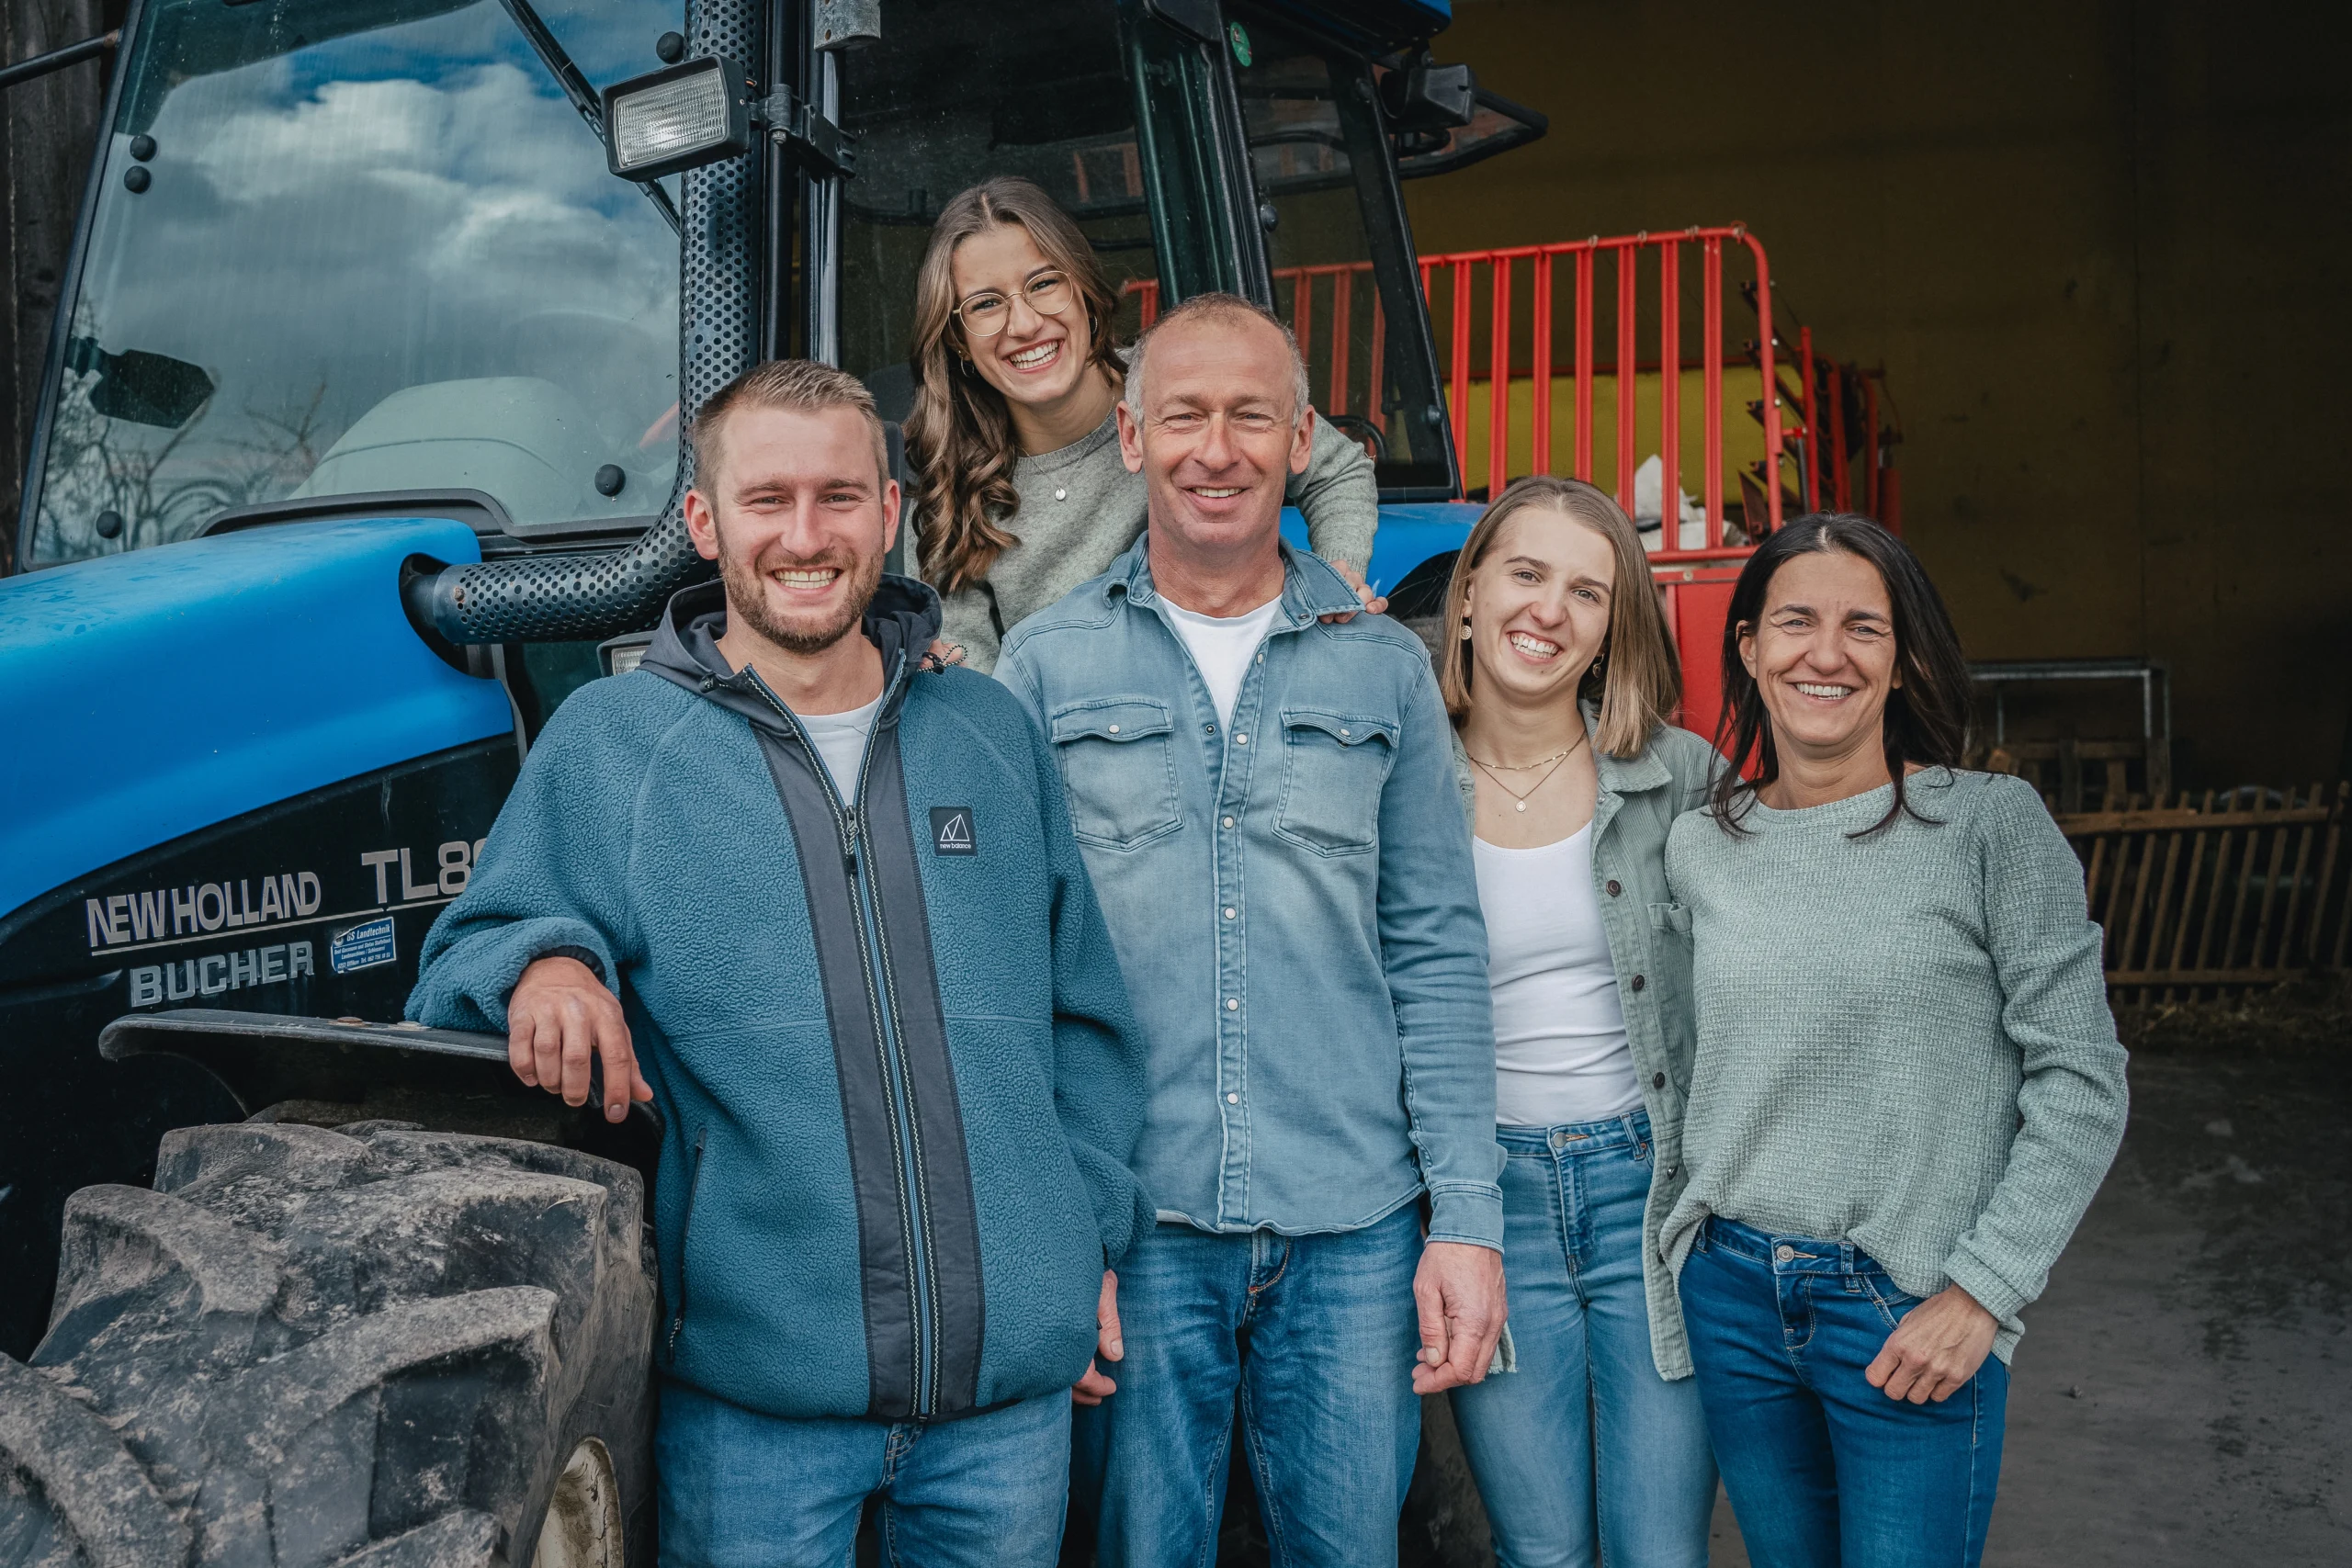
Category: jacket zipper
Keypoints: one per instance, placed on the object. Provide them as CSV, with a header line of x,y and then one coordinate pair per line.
x,y
915,1217
685,1228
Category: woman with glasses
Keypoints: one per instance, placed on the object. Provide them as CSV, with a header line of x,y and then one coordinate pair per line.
x,y
1022,494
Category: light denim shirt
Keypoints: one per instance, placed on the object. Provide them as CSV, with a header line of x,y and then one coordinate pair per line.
x,y
1292,904
1649,946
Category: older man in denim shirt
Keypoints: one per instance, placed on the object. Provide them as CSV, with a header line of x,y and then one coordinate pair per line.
x,y
1261,787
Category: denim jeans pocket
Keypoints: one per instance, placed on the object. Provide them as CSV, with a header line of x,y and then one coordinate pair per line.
x,y
1894,1303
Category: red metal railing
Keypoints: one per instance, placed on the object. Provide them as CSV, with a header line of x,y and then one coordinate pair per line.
x,y
1543,270
1523,350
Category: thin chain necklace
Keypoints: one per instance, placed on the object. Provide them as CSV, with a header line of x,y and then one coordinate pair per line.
x,y
1495,770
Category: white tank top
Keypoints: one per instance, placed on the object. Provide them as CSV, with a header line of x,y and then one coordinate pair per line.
x,y
1560,1048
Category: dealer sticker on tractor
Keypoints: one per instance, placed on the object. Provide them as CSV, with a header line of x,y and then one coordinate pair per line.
x,y
363,947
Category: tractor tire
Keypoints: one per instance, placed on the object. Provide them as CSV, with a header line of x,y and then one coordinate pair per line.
x,y
373,1347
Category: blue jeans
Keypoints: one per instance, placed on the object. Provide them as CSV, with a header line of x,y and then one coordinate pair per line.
x,y
1315,1335
743,1490
1822,1468
1584,1451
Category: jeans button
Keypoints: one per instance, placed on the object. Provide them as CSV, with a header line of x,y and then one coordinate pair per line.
x,y
1784,1252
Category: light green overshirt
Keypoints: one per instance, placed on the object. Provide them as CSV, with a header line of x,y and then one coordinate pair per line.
x,y
1904,1039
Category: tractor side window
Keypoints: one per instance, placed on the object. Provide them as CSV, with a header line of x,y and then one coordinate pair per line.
x,y
1343,272
360,247
953,93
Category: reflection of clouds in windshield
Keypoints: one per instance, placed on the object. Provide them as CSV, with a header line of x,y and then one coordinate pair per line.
x,y
334,244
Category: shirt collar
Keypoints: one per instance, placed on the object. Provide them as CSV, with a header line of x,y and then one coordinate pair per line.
x,y
1621,775
1311,589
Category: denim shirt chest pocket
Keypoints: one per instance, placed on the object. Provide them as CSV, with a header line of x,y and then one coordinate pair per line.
x,y
1334,766
1118,770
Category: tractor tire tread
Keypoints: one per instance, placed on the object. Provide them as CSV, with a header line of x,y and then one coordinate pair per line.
x,y
314,1349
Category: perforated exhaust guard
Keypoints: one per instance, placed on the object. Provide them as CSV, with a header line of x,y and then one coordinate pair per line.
x,y
581,597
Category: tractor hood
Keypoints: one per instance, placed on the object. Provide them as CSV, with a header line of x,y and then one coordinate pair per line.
x,y
148,694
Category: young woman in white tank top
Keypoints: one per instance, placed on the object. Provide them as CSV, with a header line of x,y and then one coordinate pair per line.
x,y
1560,679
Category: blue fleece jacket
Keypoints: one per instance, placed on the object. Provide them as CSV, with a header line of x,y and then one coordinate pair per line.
x,y
898,1078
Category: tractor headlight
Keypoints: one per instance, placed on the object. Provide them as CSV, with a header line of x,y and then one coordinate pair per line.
x,y
679,118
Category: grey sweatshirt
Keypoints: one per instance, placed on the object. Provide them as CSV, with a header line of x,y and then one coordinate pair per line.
x,y
1081,509
1904,1040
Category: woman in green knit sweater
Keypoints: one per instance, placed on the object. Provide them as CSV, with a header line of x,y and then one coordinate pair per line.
x,y
1907,1085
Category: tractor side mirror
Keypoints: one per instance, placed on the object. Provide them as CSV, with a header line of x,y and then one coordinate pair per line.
x,y
146,389
1426,96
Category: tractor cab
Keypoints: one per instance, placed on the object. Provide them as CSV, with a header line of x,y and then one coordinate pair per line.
x,y
375,254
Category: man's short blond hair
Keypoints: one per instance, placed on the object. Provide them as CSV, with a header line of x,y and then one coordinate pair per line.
x,y
1218,306
799,386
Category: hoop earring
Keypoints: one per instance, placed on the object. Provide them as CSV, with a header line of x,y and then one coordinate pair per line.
x,y
1600,662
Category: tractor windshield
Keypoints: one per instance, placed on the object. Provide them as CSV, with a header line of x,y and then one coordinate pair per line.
x,y
345,247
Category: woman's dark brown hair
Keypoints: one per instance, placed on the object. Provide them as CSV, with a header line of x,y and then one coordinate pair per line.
x,y
1926,720
959,433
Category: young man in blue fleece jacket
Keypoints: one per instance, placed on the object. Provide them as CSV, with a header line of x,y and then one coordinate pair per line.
x,y
830,899
1263,785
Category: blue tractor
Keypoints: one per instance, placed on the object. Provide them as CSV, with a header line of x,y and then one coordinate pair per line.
x,y
360,450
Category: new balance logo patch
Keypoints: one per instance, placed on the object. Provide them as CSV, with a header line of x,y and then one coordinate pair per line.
x,y
951,830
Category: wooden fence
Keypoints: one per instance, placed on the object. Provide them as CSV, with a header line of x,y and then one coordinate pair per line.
x,y
2204,896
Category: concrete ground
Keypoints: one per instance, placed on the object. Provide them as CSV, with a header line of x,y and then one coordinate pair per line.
x,y
2183,1394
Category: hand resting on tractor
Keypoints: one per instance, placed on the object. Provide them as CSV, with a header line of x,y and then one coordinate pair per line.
x,y
559,1017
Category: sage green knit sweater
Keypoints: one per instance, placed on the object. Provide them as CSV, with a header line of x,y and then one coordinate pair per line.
x,y
1904,1040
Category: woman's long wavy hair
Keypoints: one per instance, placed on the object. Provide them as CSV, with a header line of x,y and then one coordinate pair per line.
x,y
960,433
1925,720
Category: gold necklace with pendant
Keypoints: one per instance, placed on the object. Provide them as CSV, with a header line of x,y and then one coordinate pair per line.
x,y
1496,770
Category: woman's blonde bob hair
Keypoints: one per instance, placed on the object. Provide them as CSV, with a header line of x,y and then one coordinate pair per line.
x,y
959,434
1639,683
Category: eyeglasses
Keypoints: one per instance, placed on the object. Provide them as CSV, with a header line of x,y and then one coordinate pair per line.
x,y
985,313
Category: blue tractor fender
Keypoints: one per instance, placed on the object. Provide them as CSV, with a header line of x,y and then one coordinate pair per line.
x,y
148,694
1411,533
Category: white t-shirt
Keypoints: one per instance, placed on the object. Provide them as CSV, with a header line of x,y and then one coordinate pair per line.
x,y
840,739
1222,647
1560,1048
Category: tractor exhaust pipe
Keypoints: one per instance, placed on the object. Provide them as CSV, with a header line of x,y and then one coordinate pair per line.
x,y
589,597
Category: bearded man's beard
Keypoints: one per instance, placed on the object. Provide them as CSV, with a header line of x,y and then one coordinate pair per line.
x,y
747,597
